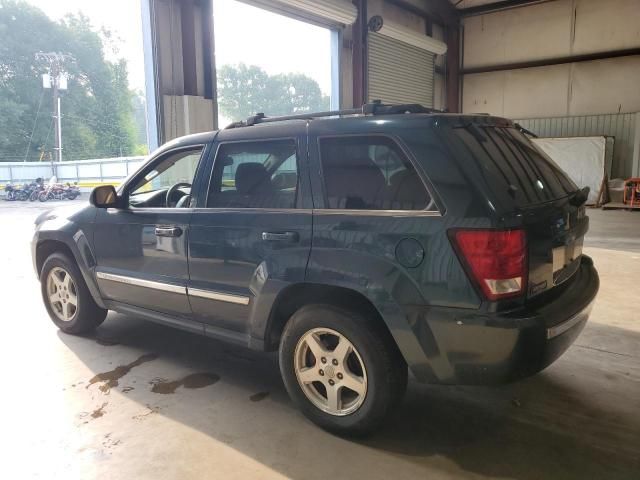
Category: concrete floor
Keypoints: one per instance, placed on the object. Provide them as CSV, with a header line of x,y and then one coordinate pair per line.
x,y
580,418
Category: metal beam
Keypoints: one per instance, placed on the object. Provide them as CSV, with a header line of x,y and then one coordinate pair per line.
x,y
589,57
359,54
498,6
187,18
452,79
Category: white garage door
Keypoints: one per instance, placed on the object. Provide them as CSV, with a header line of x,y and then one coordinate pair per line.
x,y
399,72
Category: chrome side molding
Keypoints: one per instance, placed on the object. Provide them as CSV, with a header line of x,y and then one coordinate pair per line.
x,y
167,287
138,282
222,297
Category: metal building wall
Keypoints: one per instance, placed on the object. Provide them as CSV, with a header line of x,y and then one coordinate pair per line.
x,y
622,126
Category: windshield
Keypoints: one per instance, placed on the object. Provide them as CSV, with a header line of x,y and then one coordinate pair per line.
x,y
509,158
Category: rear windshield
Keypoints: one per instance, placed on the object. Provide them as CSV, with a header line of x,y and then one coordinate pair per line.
x,y
513,162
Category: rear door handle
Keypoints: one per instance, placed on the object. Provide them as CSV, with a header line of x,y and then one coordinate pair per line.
x,y
280,236
168,231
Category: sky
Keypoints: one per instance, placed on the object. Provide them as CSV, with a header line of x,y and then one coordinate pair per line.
x,y
243,33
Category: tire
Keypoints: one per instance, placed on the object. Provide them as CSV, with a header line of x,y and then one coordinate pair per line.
x,y
43,197
383,372
87,315
34,196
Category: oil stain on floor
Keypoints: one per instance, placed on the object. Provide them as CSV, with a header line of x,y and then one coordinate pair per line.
x,y
257,397
98,412
110,378
195,380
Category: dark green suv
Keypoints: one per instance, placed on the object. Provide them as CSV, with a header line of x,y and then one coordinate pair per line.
x,y
357,243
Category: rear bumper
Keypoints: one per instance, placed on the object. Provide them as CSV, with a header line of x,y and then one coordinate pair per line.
x,y
467,347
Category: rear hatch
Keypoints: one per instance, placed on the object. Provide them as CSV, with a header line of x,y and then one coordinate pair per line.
x,y
527,190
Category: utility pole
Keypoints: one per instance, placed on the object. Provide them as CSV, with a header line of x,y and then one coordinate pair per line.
x,y
56,80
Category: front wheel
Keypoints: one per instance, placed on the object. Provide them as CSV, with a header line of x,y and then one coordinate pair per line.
x,y
67,298
33,197
342,369
43,197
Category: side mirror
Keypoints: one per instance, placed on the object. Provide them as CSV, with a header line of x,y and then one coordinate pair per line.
x,y
104,196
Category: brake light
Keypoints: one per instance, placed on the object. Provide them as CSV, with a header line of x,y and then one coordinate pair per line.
x,y
496,260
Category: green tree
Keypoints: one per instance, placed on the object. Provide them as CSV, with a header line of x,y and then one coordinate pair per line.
x,y
97,108
244,90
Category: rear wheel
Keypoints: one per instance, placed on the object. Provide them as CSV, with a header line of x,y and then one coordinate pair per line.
x,y
67,298
342,369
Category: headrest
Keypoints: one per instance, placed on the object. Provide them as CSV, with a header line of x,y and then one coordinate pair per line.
x,y
252,178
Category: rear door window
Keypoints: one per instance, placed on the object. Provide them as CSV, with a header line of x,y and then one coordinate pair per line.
x,y
261,174
370,173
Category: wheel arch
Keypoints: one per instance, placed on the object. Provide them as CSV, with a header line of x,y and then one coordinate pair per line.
x,y
295,296
46,247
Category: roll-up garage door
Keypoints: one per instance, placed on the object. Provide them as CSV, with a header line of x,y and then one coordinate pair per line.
x,y
399,72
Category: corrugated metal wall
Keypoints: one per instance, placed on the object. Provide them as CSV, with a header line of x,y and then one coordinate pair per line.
x,y
399,72
622,126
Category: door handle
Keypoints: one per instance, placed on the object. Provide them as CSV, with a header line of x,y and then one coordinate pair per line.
x,y
168,231
280,236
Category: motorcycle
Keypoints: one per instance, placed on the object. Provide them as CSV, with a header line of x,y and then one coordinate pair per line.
x,y
15,193
10,192
57,191
34,189
73,191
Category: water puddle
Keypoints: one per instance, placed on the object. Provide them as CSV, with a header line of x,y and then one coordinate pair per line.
x,y
110,378
195,380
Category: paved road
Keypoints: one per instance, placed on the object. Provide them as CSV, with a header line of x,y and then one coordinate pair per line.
x,y
117,404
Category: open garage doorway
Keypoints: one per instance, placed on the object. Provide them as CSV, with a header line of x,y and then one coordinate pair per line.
x,y
271,63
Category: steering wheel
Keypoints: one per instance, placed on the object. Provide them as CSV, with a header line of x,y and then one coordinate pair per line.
x,y
172,190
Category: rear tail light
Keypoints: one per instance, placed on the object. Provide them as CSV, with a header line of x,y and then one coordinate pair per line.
x,y
495,259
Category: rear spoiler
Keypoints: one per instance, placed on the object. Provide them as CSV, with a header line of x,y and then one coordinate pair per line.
x,y
580,197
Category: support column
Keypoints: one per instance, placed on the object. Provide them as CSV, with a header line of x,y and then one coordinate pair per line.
x,y
179,68
452,81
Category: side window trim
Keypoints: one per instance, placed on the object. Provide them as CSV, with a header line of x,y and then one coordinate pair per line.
x,y
436,209
215,153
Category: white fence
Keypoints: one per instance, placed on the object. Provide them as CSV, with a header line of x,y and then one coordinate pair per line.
x,y
87,173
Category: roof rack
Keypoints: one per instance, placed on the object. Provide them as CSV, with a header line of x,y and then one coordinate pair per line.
x,y
374,108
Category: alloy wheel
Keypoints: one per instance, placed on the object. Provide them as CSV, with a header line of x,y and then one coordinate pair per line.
x,y
330,371
62,294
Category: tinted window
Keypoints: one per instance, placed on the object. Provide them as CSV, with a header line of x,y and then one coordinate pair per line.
x,y
255,175
370,173
513,161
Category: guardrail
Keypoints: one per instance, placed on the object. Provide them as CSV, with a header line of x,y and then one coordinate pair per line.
x,y
87,173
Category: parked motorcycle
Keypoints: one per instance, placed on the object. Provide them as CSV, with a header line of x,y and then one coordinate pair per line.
x,y
57,191
16,193
73,191
35,188
10,192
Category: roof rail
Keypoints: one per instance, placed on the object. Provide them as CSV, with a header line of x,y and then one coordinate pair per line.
x,y
374,108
